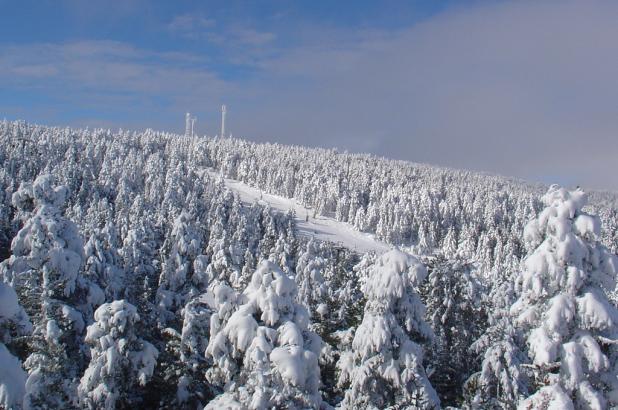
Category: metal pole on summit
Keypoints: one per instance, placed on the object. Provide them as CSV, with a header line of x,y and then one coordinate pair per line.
x,y
188,124
223,111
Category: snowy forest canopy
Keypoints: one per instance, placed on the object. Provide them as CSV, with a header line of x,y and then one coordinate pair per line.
x,y
134,278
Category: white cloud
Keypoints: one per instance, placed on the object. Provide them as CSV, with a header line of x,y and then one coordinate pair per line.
x,y
191,25
106,66
196,27
104,82
248,36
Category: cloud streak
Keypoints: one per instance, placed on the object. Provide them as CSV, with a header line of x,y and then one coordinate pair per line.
x,y
191,25
109,78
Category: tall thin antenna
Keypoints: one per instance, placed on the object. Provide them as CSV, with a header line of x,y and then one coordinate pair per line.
x,y
223,110
188,130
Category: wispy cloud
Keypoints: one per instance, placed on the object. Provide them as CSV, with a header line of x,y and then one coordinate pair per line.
x,y
87,79
233,35
249,36
193,26
104,66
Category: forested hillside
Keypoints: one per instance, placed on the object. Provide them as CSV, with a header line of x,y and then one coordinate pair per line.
x,y
133,277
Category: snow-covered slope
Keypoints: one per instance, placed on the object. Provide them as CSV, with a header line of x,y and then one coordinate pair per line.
x,y
320,227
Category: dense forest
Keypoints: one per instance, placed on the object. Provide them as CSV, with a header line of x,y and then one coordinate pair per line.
x,y
134,277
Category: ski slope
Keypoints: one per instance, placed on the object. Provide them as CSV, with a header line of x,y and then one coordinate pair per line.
x,y
321,227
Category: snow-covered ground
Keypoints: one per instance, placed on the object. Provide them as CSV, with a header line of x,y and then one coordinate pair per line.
x,y
321,227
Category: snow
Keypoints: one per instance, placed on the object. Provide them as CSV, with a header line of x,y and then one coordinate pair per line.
x,y
53,331
374,335
67,263
144,362
560,313
595,359
119,359
12,380
9,306
74,316
43,190
393,274
12,376
596,313
265,354
321,227
382,346
549,398
290,362
289,334
266,279
588,226
588,398
257,345
225,401
563,303
241,329
542,348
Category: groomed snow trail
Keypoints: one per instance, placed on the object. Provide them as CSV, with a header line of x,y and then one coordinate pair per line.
x,y
321,227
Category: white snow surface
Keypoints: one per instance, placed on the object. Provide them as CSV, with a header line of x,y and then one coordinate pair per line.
x,y
322,228
9,305
12,380
12,375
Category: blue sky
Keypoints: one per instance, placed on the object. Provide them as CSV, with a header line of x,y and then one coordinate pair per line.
x,y
524,88
225,40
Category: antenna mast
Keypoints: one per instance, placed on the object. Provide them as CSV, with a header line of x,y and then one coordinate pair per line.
x,y
223,111
188,128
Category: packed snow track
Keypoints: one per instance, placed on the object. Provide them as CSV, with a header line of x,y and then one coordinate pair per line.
x,y
320,227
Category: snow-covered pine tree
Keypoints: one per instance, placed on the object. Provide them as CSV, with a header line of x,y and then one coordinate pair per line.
x,y
501,382
225,302
385,366
186,348
452,295
563,307
175,284
121,362
14,322
45,269
138,254
267,349
193,390
240,241
247,269
291,241
337,310
280,255
103,262
312,291
269,234
177,295
221,267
